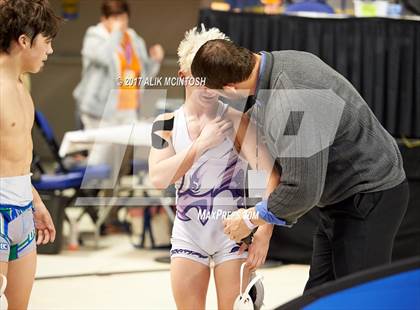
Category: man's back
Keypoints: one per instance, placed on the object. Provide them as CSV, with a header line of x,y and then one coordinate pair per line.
x,y
363,156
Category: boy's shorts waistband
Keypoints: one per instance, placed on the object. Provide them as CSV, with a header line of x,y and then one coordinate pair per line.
x,y
16,191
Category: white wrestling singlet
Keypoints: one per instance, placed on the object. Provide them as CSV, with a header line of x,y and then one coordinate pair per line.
x,y
212,188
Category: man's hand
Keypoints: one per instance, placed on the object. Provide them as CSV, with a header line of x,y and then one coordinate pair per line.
x,y
258,249
116,25
43,224
157,53
235,227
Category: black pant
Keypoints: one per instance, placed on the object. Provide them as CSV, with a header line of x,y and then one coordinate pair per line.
x,y
356,234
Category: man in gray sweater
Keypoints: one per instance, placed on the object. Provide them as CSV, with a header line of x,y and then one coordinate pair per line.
x,y
331,151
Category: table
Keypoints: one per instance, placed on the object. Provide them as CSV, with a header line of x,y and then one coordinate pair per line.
x,y
137,134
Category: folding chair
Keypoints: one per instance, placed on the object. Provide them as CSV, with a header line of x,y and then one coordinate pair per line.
x,y
66,177
51,188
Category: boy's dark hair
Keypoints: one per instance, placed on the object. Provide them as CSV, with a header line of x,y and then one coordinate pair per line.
x,y
29,17
222,62
115,7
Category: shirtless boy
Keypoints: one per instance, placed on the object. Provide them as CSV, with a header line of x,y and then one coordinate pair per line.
x,y
27,28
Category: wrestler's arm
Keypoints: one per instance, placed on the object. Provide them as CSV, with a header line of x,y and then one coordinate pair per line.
x,y
43,223
246,141
37,199
99,50
166,166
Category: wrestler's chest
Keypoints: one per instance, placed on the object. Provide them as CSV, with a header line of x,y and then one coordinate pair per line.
x,y
194,129
16,117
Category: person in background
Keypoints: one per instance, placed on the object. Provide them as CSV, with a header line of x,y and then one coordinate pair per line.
x,y
113,53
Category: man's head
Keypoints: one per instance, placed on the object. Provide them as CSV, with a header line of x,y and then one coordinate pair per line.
x,y
192,42
115,13
187,49
225,66
27,29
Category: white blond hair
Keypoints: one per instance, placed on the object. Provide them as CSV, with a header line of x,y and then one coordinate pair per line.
x,y
192,42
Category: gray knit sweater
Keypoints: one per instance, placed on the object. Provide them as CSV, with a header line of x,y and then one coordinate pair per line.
x,y
326,139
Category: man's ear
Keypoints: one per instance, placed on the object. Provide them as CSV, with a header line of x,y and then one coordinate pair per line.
x,y
24,41
181,74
